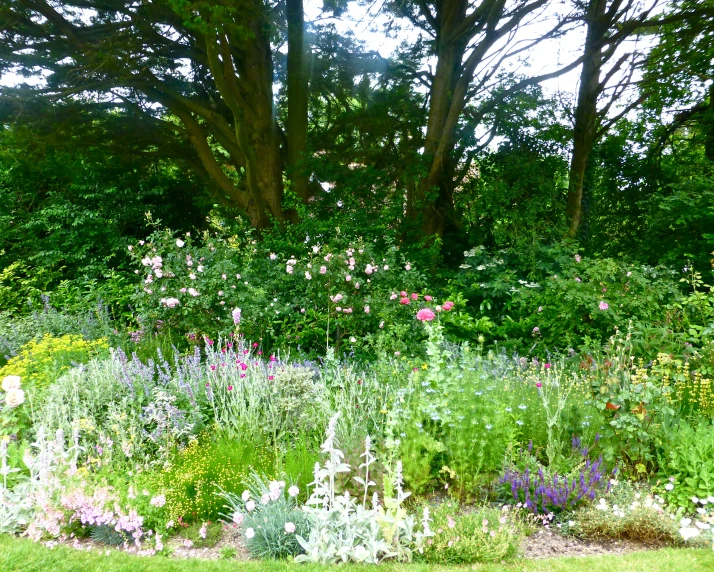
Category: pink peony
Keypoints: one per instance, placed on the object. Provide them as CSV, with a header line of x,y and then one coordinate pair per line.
x,y
425,315
428,298
404,301
603,305
446,306
415,296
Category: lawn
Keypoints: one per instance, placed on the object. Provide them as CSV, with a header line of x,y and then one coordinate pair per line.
x,y
23,555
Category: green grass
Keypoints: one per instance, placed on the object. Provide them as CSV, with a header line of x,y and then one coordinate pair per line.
x,y
23,555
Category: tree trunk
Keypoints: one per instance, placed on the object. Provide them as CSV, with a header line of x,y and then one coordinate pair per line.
x,y
586,114
434,193
297,99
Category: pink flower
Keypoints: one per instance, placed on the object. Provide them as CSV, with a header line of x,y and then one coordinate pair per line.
x,y
408,267
404,301
348,278
603,305
425,315
393,296
347,311
230,388
323,269
213,368
289,527
415,296
446,306
546,365
539,385
271,377
402,293
236,315
272,358
428,298
577,258
366,309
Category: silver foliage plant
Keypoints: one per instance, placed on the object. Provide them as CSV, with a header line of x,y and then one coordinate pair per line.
x,y
348,529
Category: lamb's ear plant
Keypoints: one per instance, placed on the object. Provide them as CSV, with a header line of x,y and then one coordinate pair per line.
x,y
344,528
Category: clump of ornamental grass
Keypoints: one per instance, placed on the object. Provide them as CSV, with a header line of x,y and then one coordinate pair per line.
x,y
464,537
626,512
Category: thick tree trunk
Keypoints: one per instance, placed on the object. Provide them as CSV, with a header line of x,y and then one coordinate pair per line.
x,y
297,99
433,196
586,114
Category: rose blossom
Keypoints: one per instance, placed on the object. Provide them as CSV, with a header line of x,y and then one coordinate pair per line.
x,y
11,382
425,315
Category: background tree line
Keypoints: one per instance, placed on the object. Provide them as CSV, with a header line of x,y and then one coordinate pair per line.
x,y
245,113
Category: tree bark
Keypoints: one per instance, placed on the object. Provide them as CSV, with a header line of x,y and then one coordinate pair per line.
x,y
586,113
297,99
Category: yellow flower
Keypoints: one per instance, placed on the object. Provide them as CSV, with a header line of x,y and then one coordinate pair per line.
x,y
425,366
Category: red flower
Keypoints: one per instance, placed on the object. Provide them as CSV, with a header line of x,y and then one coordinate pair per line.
x,y
612,406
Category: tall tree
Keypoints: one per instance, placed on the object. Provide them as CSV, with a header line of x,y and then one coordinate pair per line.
x,y
200,72
605,77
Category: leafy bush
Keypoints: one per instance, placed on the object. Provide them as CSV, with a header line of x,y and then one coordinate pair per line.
x,y
561,300
625,512
471,535
321,299
687,461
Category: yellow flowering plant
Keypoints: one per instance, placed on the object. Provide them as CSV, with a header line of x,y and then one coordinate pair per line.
x,y
42,361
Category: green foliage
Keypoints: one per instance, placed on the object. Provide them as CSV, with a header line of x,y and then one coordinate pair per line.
x,y
625,512
687,461
471,535
565,299
199,472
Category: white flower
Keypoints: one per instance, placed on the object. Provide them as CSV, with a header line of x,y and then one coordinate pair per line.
x,y
353,340
169,524
11,382
245,496
703,525
668,486
273,256
249,533
315,249
193,292
250,506
265,499
238,518
289,527
408,267
180,243
695,500
14,398
158,501
289,269
200,268
687,533
308,276
293,491
192,276
172,302
685,522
